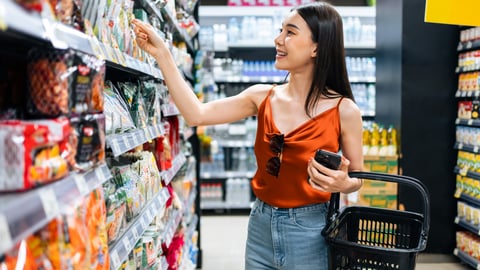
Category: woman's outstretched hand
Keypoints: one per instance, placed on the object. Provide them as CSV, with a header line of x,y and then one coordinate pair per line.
x,y
148,39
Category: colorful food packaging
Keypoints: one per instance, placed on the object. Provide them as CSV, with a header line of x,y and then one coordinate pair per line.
x,y
33,153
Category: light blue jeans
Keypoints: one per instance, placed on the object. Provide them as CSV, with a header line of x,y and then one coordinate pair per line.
x,y
286,238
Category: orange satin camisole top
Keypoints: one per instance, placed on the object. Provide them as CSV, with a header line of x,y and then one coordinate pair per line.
x,y
291,188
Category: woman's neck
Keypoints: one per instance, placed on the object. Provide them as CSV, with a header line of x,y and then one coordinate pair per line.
x,y
298,86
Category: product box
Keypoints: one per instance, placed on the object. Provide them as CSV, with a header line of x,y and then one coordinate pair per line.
x,y
465,109
377,193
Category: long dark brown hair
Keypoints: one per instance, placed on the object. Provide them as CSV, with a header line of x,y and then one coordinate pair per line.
x,y
330,70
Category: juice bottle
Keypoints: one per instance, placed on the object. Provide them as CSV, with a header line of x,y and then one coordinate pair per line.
x,y
374,140
366,140
392,141
383,147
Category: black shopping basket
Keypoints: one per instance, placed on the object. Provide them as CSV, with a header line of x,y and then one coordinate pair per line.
x,y
367,238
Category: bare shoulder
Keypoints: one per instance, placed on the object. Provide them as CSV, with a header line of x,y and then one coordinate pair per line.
x,y
349,110
258,92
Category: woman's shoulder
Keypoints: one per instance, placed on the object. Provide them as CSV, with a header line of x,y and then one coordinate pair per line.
x,y
348,109
258,92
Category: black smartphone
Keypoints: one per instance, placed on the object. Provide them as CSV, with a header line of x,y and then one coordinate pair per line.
x,y
328,159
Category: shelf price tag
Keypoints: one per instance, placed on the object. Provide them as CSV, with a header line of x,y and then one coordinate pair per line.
x,y
81,185
99,174
127,244
135,232
136,142
143,222
115,147
115,259
460,146
49,202
127,143
6,243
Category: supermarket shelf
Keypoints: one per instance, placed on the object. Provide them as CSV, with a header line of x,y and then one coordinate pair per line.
x,y
171,228
464,257
354,79
471,200
61,36
467,225
205,205
470,174
14,18
463,93
278,79
235,143
225,174
124,245
192,226
467,68
169,110
466,147
164,14
468,122
42,204
121,143
178,162
251,79
264,11
470,45
268,44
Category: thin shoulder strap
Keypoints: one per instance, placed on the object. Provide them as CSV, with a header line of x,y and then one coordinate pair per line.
x,y
339,101
271,89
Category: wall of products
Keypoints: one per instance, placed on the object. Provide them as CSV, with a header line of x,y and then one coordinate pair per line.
x,y
467,144
97,172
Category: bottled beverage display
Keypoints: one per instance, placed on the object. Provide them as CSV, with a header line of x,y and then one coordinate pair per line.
x,y
378,140
264,29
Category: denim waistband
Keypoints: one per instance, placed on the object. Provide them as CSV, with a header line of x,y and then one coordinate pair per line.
x,y
301,209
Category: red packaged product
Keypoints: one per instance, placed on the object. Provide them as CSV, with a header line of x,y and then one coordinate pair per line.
x,y
33,153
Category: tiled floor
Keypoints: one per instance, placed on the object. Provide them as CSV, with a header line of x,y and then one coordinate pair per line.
x,y
223,242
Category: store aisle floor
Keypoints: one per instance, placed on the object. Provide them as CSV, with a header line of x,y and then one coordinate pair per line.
x,y
223,244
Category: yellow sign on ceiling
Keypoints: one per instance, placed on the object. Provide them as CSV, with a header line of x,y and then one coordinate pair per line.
x,y
457,12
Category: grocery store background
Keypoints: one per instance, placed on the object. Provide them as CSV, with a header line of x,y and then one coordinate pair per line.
x,y
99,171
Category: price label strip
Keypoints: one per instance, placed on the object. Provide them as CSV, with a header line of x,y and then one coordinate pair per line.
x,y
97,50
126,244
135,232
115,259
6,240
100,175
128,146
81,185
49,202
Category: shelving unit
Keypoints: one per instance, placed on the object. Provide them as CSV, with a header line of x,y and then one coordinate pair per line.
x,y
468,176
125,244
42,204
260,49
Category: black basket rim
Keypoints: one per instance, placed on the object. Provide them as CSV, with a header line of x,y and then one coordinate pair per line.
x,y
374,210
348,244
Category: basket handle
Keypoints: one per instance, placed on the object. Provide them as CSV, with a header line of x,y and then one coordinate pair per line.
x,y
401,179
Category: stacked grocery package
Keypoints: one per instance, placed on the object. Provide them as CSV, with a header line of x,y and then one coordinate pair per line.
x,y
380,154
96,171
467,143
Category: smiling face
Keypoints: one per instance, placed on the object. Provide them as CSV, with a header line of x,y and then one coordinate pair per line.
x,y
295,49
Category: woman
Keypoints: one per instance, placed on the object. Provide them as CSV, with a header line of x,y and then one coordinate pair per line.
x,y
313,110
